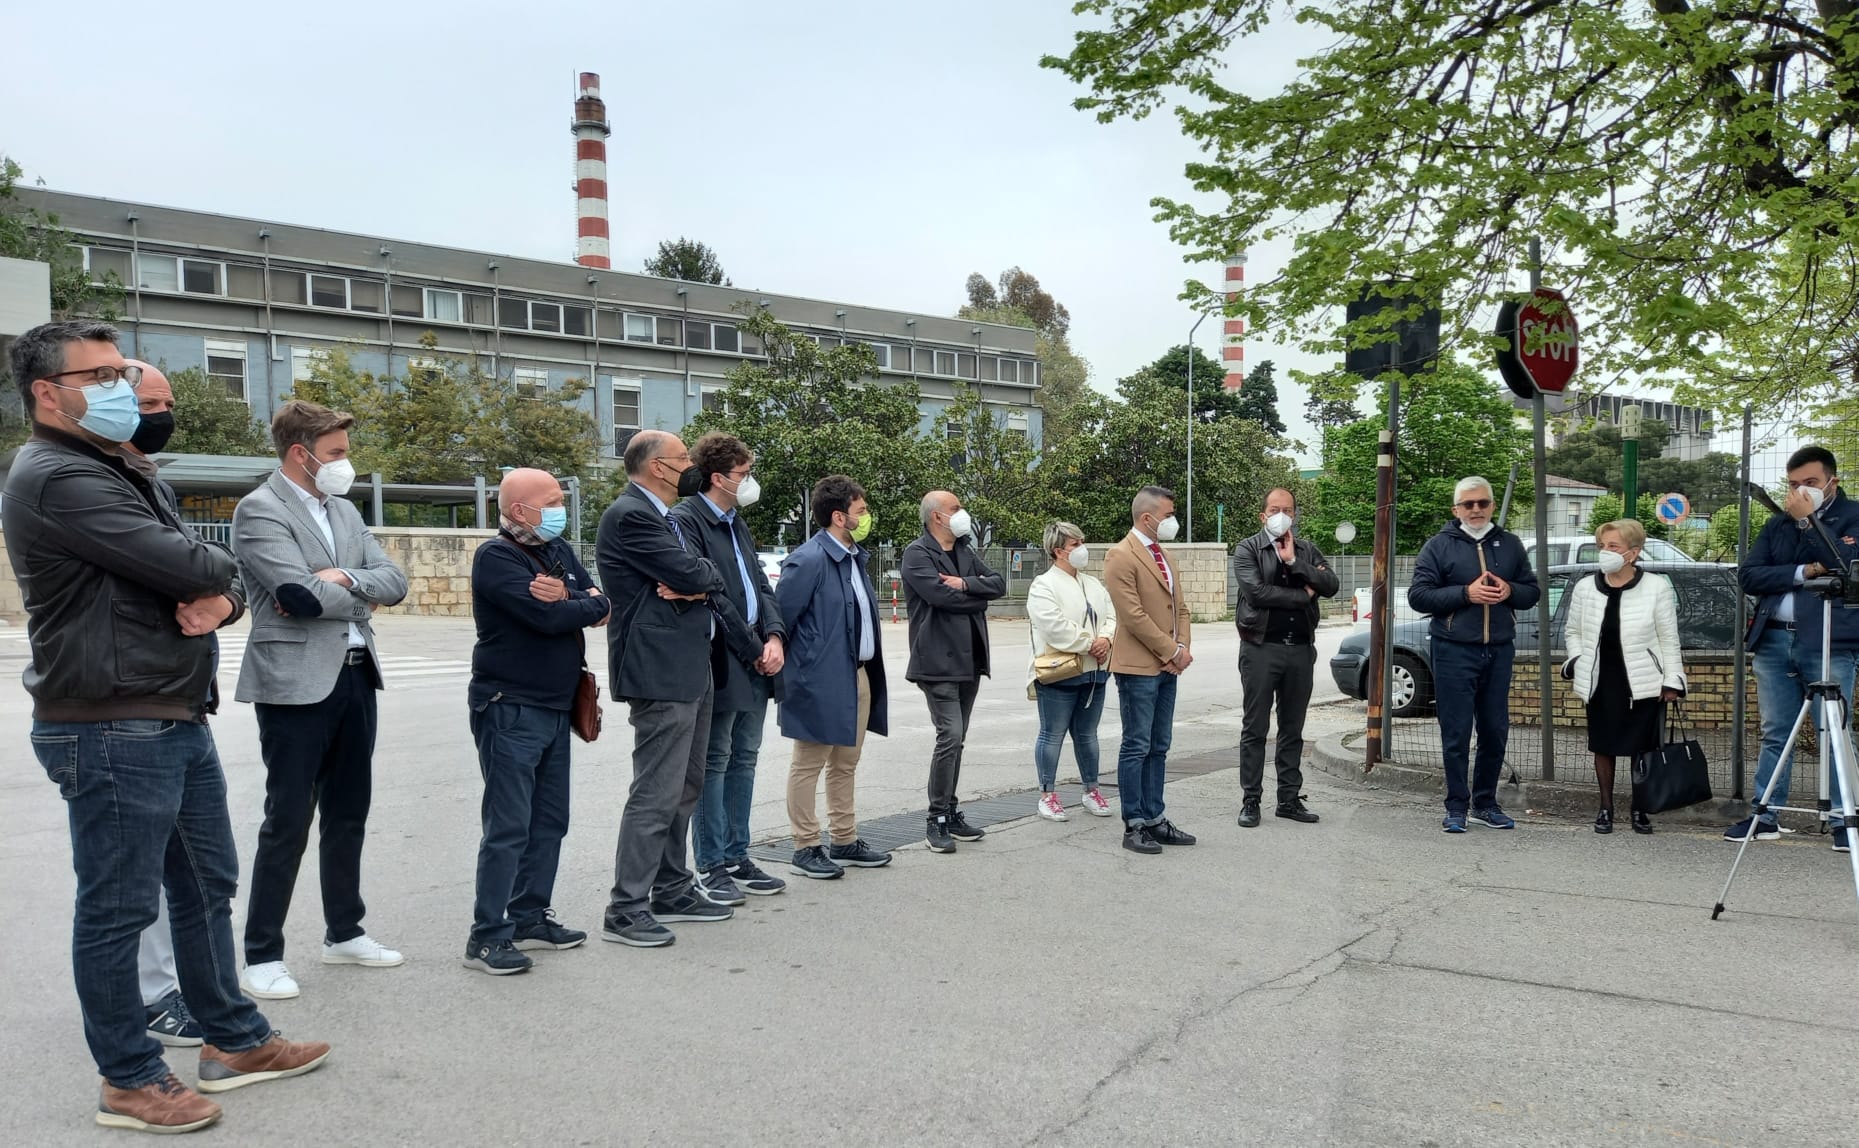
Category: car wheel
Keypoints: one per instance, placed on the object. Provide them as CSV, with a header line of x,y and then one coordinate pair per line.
x,y
1413,686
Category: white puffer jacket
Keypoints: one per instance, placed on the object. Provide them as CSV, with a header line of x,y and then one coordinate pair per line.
x,y
1648,636
1055,609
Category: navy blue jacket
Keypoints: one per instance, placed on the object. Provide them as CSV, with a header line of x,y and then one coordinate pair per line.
x,y
1786,545
815,593
529,652
1449,563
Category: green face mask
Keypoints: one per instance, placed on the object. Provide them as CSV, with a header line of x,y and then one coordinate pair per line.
x,y
863,529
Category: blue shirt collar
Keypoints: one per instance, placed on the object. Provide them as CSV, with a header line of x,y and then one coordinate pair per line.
x,y
653,499
722,515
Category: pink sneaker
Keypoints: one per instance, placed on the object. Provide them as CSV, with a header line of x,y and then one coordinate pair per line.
x,y
1094,803
1050,807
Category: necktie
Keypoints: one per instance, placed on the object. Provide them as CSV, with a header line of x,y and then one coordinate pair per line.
x,y
1160,562
673,523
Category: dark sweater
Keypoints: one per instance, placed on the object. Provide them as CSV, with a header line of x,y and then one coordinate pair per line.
x,y
529,652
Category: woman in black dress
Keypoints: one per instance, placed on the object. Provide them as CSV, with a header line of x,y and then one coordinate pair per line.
x,y
1624,658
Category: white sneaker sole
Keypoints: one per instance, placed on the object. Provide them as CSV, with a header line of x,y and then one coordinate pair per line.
x,y
118,1120
240,1081
1049,815
1096,812
274,994
365,962
171,1041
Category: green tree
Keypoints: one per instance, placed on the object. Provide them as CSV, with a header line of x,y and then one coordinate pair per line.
x,y
1258,399
993,472
1612,508
1064,377
207,420
1710,482
1593,453
1329,398
1721,539
686,259
806,413
1454,422
1212,400
1688,166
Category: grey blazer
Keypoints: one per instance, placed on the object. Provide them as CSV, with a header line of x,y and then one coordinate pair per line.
x,y
293,659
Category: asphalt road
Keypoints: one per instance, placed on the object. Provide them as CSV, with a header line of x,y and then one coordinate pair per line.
x,y
1367,980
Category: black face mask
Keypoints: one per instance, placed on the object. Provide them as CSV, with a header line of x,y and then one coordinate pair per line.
x,y
690,481
153,432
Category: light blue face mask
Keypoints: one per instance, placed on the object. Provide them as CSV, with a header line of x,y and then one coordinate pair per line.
x,y
114,412
554,521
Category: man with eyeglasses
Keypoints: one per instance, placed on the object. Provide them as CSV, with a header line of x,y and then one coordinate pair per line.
x,y
1470,577
119,679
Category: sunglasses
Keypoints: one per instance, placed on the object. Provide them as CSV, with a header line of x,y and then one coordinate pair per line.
x,y
1476,504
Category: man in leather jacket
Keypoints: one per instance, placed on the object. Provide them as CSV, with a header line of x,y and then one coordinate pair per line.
x,y
121,600
1280,578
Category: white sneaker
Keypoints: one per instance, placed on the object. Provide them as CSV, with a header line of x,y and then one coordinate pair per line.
x,y
269,981
362,950
1050,808
1094,803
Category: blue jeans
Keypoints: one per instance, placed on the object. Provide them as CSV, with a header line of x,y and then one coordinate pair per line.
x,y
720,828
1075,706
1472,685
147,806
523,758
1147,705
1783,667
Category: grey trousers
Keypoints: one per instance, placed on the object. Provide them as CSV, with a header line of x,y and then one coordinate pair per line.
x,y
1269,671
670,742
950,706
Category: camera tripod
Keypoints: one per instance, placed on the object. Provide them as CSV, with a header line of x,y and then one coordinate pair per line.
x,y
1826,703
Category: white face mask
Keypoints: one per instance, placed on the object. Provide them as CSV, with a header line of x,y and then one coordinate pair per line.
x,y
1166,530
334,478
1611,561
960,524
1079,555
1477,532
1815,496
748,492
1278,525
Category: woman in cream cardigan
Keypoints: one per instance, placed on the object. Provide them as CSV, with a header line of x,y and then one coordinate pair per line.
x,y
1623,656
1071,614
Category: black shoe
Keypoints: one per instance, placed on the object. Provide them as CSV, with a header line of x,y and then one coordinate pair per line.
x,y
1641,822
690,905
813,862
1249,813
1165,833
1138,840
171,1023
719,888
961,830
936,835
859,855
1604,821
1293,810
753,881
547,933
639,930
499,960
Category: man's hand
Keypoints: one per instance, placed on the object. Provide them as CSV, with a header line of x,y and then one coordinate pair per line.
x,y
774,656
1813,570
955,583
336,576
1501,586
1287,549
1483,593
1100,649
1798,507
1310,590
670,595
1183,659
203,616
546,589
604,618
1668,694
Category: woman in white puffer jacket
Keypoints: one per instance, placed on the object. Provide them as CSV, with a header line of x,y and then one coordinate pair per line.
x,y
1070,613
1624,658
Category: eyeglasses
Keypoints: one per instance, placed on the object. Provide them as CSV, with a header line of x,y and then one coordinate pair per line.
x,y
1476,504
105,377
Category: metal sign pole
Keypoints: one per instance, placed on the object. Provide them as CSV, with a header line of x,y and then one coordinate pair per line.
x,y
1544,673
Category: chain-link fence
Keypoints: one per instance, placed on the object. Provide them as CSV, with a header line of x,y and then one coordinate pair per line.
x,y
1700,555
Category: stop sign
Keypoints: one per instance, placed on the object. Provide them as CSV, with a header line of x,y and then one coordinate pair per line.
x,y
1542,344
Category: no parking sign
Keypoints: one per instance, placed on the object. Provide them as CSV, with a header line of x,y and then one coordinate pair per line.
x,y
1672,509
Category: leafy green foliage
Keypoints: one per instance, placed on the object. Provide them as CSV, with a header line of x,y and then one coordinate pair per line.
x,y
1064,377
28,233
1258,398
993,472
686,259
1594,454
208,420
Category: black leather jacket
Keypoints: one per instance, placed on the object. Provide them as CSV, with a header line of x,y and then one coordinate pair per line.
x,y
1255,568
102,560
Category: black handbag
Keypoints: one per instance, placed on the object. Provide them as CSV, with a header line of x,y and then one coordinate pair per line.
x,y
1674,775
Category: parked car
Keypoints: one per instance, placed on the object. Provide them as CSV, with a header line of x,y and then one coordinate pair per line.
x,y
1573,548
1706,621
1363,610
771,564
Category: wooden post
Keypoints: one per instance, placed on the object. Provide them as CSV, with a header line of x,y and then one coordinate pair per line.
x,y
1381,596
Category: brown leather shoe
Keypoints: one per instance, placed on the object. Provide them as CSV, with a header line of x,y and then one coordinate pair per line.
x,y
222,1071
164,1105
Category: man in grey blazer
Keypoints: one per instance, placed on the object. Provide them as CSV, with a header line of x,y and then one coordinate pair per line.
x,y
313,576
659,663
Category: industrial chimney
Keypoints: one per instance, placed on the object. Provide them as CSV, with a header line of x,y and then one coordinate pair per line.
x,y
590,174
1234,348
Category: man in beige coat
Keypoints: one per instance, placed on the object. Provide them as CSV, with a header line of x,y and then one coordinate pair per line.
x,y
1149,650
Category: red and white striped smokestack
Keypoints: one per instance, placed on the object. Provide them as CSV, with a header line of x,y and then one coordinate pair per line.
x,y
1234,349
590,174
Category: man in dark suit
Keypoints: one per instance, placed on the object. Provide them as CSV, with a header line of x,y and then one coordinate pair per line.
x,y
659,664
748,649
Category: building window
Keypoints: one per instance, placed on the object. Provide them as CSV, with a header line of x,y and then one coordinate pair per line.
x,y
302,364
826,342
670,332
329,291
226,366
157,273
900,357
530,382
513,314
727,338
102,263
750,344
406,301
367,295
1010,371
545,317
965,366
944,363
638,328
713,399
883,351
1029,373
1017,423
625,411
697,336
990,368
577,321
425,370
198,277
287,287
478,311
244,281
444,306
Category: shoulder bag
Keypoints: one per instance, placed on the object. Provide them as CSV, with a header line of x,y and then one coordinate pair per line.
x,y
1054,666
1674,775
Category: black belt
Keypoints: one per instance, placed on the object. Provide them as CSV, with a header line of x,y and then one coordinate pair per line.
x,y
1774,625
357,656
